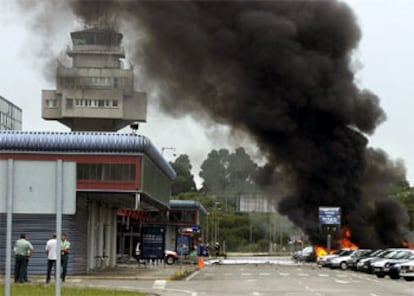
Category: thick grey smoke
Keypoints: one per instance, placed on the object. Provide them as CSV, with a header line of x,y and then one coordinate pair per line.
x,y
279,71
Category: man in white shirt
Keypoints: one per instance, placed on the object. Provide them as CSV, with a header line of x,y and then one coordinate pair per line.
x,y
51,255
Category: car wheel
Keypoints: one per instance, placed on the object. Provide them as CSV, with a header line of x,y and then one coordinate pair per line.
x,y
169,260
394,276
409,279
343,265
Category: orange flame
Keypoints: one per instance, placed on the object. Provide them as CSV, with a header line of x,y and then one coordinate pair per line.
x,y
344,243
408,245
320,251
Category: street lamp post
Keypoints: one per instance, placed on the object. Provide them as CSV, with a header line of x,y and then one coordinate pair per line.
x,y
215,221
163,149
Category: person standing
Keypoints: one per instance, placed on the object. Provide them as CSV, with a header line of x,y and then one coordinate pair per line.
x,y
217,249
51,255
25,275
65,248
23,249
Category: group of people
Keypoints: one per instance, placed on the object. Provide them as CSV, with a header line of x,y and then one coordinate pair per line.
x,y
24,250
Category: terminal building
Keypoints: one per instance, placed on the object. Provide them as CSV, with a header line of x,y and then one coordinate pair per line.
x,y
100,174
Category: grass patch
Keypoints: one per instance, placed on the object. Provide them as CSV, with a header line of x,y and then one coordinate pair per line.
x,y
49,290
179,275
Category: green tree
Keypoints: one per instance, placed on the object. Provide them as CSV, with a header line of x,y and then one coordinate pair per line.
x,y
241,171
214,171
184,182
406,197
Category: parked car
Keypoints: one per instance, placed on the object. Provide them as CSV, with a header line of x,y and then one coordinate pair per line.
x,y
394,269
306,254
407,270
381,267
340,261
358,255
365,264
323,260
170,257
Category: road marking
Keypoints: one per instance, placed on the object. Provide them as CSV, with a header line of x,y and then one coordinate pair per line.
x,y
284,273
342,282
264,273
192,275
323,275
192,293
342,275
246,273
228,274
159,284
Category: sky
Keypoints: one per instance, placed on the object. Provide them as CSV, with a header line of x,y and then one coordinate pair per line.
x,y
382,62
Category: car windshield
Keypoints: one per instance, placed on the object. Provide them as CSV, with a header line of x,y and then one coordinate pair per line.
x,y
402,255
376,253
361,253
347,252
385,254
339,252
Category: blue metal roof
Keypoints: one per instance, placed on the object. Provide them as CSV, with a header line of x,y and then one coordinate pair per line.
x,y
82,142
187,204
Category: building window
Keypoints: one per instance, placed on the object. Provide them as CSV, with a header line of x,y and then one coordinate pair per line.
x,y
69,104
106,171
51,103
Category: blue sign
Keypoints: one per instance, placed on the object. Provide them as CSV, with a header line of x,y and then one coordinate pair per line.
x,y
329,215
195,228
152,242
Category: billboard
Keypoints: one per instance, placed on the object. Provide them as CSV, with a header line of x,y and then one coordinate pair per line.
x,y
152,242
34,187
329,215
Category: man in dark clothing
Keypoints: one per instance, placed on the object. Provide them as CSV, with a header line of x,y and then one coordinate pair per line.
x,y
65,248
23,249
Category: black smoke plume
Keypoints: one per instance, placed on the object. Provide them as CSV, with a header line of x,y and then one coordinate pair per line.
x,y
281,72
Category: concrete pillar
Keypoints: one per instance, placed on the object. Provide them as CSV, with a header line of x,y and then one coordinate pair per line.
x,y
108,236
100,230
114,237
91,244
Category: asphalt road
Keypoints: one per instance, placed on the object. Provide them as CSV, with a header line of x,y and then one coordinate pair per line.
x,y
257,278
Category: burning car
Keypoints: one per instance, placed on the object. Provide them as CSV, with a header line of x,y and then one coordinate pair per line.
x,y
306,254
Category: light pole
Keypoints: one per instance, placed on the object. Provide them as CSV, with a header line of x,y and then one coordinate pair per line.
x,y
215,221
163,149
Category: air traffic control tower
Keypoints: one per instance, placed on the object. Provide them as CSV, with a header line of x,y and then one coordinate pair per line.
x,y
97,92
